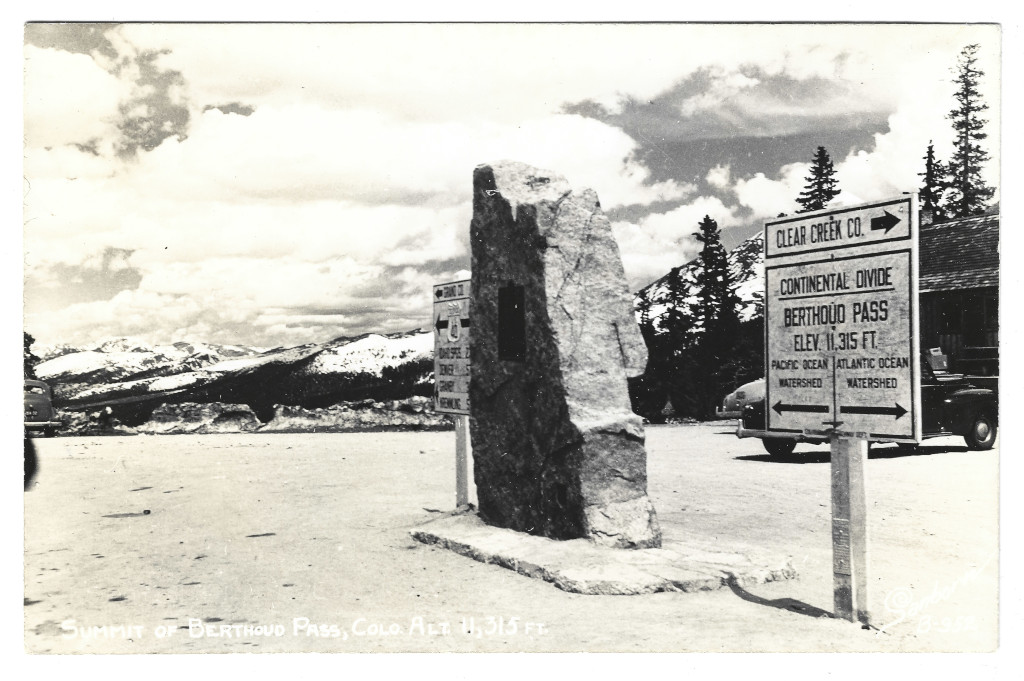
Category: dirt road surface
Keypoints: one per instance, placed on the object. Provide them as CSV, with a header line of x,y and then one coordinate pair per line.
x,y
300,543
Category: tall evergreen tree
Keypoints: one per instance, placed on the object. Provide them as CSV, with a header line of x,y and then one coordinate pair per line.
x,y
930,193
676,322
648,392
821,185
717,315
643,307
714,282
673,346
31,360
968,193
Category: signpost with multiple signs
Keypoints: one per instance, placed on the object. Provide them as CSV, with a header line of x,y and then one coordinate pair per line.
x,y
841,345
451,325
842,356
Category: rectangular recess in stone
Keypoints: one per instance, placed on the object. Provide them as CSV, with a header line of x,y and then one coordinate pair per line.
x,y
511,323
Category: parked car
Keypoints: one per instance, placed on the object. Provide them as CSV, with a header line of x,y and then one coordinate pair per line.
x,y
39,412
950,405
748,393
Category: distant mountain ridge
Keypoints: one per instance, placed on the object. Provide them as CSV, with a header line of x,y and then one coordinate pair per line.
x,y
134,378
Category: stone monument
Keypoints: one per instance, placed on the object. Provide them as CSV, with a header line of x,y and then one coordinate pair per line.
x,y
557,450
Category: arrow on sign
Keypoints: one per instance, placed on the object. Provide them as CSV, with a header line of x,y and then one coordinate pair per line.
x,y
443,323
896,411
818,408
886,222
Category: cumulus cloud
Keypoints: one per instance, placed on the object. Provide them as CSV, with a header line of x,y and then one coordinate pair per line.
x,y
719,177
288,182
57,83
502,72
129,313
767,197
661,241
305,184
720,86
892,164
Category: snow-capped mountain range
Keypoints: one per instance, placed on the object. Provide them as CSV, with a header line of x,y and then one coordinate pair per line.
x,y
133,378
122,358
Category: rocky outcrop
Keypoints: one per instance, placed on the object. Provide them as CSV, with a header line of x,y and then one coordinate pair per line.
x,y
189,417
557,450
414,413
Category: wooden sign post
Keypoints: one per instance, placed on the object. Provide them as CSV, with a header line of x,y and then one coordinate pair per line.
x,y
849,528
451,372
461,461
842,354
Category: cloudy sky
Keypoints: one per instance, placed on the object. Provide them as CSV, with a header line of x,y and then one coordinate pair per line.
x,y
281,184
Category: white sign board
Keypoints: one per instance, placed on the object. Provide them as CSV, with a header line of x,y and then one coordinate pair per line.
x,y
841,320
451,325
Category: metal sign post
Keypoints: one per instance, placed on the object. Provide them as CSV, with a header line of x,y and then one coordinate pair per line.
x,y
842,356
451,324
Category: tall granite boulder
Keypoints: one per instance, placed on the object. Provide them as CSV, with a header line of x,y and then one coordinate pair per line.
x,y
557,450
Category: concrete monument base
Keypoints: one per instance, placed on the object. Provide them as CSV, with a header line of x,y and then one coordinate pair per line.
x,y
581,566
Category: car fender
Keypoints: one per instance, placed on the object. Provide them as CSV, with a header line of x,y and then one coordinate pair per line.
x,y
964,406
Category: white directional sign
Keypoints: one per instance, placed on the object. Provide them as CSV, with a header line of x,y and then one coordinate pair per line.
x,y
451,347
885,223
841,346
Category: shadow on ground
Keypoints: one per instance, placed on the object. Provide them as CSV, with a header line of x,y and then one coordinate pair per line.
x,y
880,452
790,604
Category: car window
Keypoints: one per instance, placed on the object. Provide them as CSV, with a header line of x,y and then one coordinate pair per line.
x,y
34,390
927,375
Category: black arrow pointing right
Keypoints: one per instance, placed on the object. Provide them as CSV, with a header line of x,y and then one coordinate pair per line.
x,y
896,411
814,408
886,222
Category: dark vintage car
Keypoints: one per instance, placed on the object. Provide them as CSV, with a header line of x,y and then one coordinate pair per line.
x,y
950,405
39,412
733,403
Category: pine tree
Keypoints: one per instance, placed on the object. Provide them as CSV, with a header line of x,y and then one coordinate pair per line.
x,y
930,193
821,184
714,283
717,315
643,307
676,322
30,359
968,193
648,392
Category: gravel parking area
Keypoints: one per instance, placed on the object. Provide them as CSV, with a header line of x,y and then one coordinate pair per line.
x,y
300,543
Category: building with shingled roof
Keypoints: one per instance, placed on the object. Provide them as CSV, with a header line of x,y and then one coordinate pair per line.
x,y
959,292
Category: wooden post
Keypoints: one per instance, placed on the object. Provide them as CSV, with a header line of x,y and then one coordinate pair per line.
x,y
849,528
461,461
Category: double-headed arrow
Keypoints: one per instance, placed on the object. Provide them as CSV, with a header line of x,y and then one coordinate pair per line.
x,y
886,221
896,411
